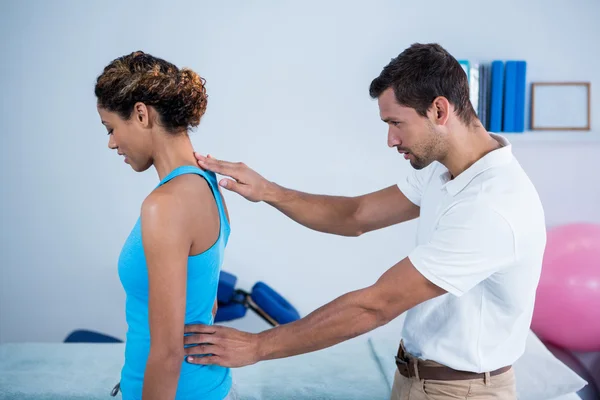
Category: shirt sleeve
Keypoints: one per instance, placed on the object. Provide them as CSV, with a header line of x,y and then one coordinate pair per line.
x,y
413,185
470,243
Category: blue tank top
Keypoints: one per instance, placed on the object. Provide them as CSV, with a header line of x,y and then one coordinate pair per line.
x,y
195,381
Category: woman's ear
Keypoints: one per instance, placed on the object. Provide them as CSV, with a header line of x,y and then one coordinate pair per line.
x,y
141,114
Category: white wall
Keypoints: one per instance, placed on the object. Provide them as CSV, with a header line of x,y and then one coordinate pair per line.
x,y
288,94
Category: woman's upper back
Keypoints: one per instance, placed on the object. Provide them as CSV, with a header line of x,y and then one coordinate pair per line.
x,y
202,209
204,219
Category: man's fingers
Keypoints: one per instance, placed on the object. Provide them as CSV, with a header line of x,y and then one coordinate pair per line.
x,y
202,349
233,186
200,156
211,163
204,360
201,338
218,166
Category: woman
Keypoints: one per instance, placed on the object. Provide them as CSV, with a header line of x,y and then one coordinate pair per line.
x,y
169,265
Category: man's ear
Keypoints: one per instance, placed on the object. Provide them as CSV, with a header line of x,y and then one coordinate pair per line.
x,y
440,110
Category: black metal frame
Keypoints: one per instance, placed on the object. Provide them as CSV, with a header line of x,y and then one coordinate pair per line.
x,y
249,303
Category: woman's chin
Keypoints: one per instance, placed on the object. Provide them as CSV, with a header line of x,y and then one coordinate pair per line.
x,y
137,168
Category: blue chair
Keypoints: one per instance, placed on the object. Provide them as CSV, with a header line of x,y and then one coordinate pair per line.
x,y
263,300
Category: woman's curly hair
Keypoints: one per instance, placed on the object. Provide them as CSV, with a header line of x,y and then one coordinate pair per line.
x,y
178,95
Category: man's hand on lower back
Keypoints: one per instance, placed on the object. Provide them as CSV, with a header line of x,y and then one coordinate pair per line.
x,y
220,345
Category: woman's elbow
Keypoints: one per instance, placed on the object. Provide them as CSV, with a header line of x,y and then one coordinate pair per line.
x,y
170,357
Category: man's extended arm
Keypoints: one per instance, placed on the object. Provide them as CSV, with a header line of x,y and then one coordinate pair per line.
x,y
346,216
399,289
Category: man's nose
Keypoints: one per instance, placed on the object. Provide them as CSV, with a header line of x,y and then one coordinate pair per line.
x,y
392,139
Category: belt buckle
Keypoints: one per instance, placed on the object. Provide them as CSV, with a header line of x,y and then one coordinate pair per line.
x,y
404,362
401,361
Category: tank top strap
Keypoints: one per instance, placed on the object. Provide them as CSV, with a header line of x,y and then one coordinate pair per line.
x,y
211,178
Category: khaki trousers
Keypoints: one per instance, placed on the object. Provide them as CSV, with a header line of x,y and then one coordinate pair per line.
x,y
499,387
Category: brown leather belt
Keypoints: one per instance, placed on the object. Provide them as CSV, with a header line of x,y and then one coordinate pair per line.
x,y
407,365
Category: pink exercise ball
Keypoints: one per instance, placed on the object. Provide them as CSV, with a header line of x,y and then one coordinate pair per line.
x,y
567,307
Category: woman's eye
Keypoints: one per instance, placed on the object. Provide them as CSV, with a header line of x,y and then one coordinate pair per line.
x,y
110,132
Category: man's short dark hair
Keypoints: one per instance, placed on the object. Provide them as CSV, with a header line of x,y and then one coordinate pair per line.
x,y
423,72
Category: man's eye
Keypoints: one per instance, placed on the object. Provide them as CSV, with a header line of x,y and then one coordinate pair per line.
x,y
110,132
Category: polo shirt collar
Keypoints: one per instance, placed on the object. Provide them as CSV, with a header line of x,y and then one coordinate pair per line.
x,y
492,159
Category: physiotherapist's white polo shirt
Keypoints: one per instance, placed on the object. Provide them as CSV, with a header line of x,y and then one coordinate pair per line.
x,y
481,237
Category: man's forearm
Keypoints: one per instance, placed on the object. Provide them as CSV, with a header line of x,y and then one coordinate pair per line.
x,y
344,318
323,213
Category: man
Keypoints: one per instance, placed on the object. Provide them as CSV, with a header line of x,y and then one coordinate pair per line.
x,y
470,283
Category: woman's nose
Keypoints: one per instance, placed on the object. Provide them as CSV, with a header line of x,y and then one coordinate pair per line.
x,y
112,144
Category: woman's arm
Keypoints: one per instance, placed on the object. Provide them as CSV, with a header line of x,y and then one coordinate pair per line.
x,y
166,246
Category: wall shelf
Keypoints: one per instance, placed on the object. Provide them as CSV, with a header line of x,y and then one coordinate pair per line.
x,y
553,136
